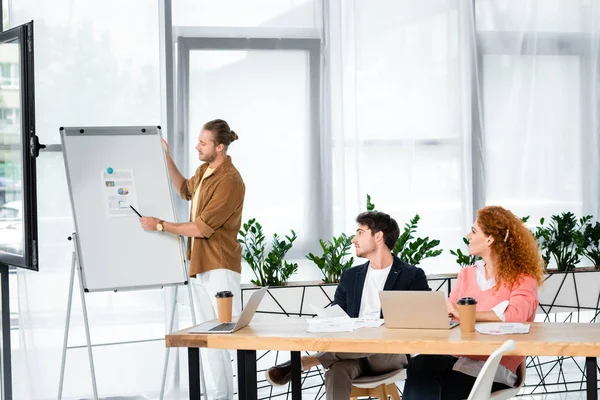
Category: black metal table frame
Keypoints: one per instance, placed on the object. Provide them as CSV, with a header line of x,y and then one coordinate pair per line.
x,y
247,382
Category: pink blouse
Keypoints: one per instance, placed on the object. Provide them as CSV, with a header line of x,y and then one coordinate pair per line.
x,y
522,303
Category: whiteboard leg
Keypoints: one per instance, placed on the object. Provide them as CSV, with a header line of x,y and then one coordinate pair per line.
x,y
168,349
87,335
67,322
192,308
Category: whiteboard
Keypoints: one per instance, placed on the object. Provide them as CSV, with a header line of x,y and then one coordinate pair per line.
x,y
114,252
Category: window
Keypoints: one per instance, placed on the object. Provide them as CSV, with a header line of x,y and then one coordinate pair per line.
x,y
18,242
535,66
269,97
10,211
10,116
526,150
400,134
8,72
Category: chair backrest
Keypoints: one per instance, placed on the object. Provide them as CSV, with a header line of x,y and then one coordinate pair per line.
x,y
483,384
521,373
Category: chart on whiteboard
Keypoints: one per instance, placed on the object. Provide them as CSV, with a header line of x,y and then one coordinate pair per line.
x,y
119,192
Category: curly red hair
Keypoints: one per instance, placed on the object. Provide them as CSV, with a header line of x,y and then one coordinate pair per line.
x,y
514,249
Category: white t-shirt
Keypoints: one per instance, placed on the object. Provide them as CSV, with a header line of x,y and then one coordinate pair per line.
x,y
370,306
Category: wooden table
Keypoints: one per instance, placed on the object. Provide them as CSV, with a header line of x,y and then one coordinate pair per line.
x,y
269,333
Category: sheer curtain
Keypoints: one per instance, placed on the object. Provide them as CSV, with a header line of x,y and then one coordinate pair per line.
x,y
539,70
440,107
234,14
400,115
266,97
97,63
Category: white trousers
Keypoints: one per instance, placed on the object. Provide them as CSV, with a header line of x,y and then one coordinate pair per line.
x,y
205,286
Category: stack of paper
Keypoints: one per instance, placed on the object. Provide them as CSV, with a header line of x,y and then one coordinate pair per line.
x,y
333,311
367,323
502,328
332,324
334,319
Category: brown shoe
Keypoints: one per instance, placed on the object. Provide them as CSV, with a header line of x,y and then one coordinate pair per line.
x,y
279,375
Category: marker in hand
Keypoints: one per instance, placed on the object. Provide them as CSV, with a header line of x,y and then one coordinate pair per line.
x,y
134,210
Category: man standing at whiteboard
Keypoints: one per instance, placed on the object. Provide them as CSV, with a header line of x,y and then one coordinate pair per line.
x,y
217,194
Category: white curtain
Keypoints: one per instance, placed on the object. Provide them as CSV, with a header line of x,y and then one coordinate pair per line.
x,y
539,83
440,107
96,63
265,96
401,117
235,14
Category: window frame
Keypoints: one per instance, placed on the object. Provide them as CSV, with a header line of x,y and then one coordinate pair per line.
x,y
320,146
23,35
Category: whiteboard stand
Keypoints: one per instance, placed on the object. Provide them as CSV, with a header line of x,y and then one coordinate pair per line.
x,y
76,265
203,391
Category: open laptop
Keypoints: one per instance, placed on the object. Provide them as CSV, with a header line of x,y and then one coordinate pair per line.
x,y
415,310
244,319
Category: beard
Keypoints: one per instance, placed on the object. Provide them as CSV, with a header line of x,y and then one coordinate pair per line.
x,y
207,157
364,251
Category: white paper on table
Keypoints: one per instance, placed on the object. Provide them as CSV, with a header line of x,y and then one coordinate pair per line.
x,y
329,312
333,324
502,328
367,323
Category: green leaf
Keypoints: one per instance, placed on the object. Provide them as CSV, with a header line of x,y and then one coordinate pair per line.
x,y
332,263
370,206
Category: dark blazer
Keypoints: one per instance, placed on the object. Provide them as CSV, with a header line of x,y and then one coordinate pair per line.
x,y
402,276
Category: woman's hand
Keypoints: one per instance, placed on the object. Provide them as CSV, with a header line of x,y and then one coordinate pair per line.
x,y
452,309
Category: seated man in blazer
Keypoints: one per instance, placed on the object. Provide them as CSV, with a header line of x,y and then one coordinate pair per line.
x,y
358,295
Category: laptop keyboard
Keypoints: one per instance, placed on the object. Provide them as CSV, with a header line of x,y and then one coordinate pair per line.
x,y
223,327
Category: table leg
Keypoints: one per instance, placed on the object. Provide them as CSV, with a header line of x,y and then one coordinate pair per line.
x,y
194,372
296,375
592,378
247,375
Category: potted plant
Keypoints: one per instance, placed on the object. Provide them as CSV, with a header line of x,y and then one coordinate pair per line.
x,y
408,248
270,269
558,240
588,240
334,260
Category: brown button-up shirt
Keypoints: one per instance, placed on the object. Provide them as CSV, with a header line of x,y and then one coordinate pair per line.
x,y
218,217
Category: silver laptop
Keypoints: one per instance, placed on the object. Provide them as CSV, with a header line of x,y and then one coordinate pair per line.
x,y
244,319
415,310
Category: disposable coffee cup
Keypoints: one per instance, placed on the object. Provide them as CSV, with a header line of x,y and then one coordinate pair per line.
x,y
466,311
224,305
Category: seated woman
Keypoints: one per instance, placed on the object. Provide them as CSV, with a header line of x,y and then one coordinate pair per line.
x,y
504,283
